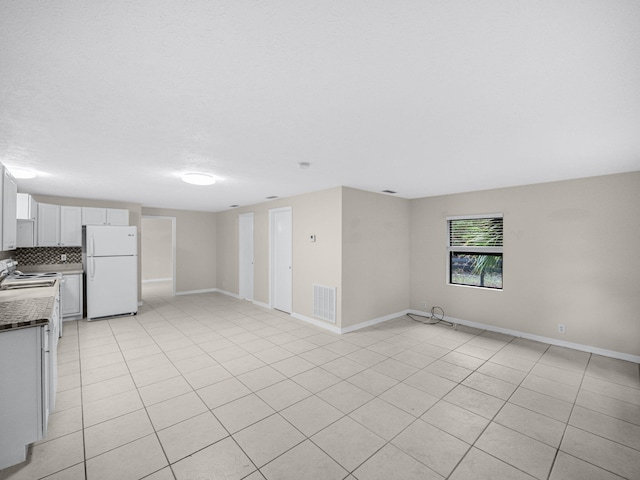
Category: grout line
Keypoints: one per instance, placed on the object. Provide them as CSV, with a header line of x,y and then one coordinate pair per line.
x,y
383,335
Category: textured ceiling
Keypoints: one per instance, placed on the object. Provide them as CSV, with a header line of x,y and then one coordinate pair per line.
x,y
116,99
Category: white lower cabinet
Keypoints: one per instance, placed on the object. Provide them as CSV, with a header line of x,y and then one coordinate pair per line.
x,y
28,372
28,384
71,297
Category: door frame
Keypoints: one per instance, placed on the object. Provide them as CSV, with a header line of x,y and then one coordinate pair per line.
x,y
272,246
173,248
240,239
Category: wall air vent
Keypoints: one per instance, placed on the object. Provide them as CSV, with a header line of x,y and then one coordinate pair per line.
x,y
388,191
324,303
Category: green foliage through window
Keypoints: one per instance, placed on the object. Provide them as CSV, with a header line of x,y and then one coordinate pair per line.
x,y
475,251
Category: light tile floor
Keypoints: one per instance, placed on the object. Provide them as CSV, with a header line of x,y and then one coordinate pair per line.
x,y
209,387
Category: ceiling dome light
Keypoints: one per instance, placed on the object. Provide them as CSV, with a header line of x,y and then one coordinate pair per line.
x,y
18,172
198,179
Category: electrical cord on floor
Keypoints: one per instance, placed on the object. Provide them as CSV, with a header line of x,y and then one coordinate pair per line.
x,y
436,317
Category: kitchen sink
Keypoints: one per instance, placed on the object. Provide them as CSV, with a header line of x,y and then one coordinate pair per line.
x,y
24,283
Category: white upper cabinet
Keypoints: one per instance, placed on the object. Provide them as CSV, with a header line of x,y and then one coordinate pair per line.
x,y
105,216
48,225
94,216
9,209
70,226
27,207
59,226
26,234
117,216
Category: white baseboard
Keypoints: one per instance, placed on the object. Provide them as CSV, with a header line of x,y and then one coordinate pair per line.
x,y
539,338
375,321
482,326
191,292
224,292
235,295
151,280
261,304
317,323
350,328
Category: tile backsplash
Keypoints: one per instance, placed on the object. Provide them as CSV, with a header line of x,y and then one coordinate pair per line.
x,y
47,255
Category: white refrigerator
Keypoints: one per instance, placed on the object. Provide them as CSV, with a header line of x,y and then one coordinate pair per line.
x,y
110,255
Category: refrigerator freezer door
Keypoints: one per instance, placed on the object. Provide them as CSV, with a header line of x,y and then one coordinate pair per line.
x,y
107,241
112,286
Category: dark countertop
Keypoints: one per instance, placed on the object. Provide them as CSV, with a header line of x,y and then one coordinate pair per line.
x,y
26,307
26,312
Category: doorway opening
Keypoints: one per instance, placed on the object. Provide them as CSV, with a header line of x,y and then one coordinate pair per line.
x,y
158,256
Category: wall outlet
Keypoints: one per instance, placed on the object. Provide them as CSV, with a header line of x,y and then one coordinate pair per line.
x,y
424,304
63,257
561,328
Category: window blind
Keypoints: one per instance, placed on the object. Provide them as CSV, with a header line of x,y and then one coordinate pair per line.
x,y
476,232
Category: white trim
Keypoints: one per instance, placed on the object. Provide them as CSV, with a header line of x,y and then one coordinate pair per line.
x,y
157,280
225,292
240,239
317,323
481,326
204,290
260,304
539,338
350,328
475,286
374,321
481,215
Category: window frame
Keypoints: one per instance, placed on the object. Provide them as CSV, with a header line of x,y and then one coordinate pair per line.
x,y
478,250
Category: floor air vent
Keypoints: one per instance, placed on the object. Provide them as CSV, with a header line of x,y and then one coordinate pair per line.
x,y
324,303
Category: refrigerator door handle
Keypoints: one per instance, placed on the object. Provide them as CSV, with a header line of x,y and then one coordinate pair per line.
x,y
93,245
93,267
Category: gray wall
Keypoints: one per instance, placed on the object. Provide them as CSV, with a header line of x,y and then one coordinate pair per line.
x,y
375,256
195,248
317,213
569,257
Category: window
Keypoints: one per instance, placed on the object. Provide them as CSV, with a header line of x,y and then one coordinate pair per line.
x,y
475,250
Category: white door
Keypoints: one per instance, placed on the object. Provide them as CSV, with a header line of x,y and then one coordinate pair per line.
x,y
281,259
245,260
